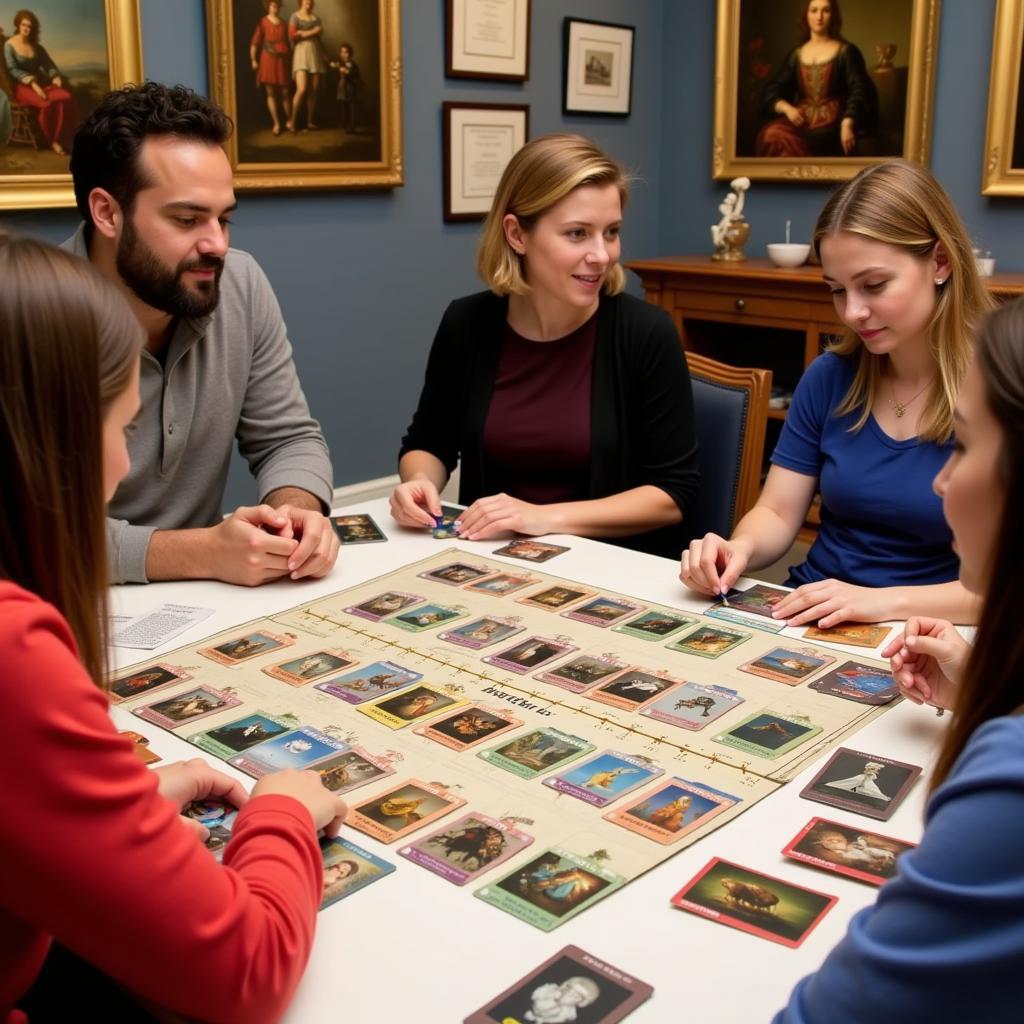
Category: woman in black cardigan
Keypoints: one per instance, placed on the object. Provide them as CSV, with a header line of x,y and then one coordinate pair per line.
x,y
567,402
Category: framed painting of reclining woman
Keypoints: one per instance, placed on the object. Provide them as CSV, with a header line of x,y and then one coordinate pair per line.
x,y
314,88
1003,173
58,58
819,89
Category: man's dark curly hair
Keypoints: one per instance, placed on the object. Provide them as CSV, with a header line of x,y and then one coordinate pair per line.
x,y
105,153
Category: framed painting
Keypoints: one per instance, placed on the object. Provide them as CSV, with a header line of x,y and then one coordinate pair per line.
x,y
56,65
1003,174
819,89
597,68
488,39
314,89
479,140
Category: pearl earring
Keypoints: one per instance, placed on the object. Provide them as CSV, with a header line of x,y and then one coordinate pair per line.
x,y
940,281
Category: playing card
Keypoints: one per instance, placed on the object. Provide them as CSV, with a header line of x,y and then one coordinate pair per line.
x,y
633,689
412,705
358,529
604,611
530,550
313,666
232,738
480,633
457,574
189,706
245,648
769,734
348,868
140,746
556,597
600,780
536,752
299,748
370,681
468,727
402,809
863,783
501,584
351,769
582,672
693,706
391,601
789,665
655,624
531,654
865,684
143,680
853,852
853,634
709,641
427,616
672,810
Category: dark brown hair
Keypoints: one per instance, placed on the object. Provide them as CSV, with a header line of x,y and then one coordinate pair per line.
x,y
835,23
993,683
23,15
68,347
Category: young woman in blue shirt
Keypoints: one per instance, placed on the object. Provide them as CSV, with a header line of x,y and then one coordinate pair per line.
x,y
871,421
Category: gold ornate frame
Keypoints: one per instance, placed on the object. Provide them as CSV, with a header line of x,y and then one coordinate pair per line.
x,y
384,173
999,176
725,164
124,47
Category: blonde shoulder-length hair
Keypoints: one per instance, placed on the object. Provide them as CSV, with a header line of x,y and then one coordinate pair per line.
x,y
537,177
901,203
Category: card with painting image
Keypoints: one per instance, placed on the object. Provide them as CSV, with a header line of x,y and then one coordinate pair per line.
x,y
217,816
232,738
501,584
789,665
769,734
557,597
531,654
672,810
402,809
761,905
468,727
867,784
351,769
310,667
190,706
140,746
852,634
853,680
145,679
369,682
572,985
427,616
484,632
551,888
583,672
655,624
411,705
347,869
468,848
604,611
246,647
601,780
358,529
300,748
759,599
457,574
530,550
853,852
634,689
709,641
693,706
382,605
536,752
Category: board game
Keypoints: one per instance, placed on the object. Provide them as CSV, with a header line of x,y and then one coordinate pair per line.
x,y
534,741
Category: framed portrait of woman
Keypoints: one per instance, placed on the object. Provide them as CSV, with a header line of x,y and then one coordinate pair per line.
x,y
819,89
58,58
314,88
1003,173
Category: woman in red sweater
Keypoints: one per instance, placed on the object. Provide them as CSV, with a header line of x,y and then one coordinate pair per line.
x,y
94,853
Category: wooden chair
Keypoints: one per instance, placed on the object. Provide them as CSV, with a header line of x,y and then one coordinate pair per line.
x,y
731,410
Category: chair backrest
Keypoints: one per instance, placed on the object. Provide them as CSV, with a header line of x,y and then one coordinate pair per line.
x,y
731,410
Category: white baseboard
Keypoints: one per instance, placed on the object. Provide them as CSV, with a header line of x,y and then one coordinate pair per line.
x,y
367,490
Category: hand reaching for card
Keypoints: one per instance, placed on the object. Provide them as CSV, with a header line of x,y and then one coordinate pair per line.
x,y
928,661
327,810
501,513
185,781
415,503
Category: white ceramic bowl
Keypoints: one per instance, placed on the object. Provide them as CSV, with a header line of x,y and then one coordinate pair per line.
x,y
788,254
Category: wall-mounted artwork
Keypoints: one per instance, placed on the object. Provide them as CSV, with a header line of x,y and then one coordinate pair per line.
x,y
1003,174
56,64
819,89
314,88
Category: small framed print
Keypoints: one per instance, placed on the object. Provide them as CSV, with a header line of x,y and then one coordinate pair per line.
x,y
310,667
488,39
672,810
467,848
854,852
693,706
479,139
759,904
531,654
789,665
143,680
597,70
245,648
863,783
187,707
402,810
468,727
601,780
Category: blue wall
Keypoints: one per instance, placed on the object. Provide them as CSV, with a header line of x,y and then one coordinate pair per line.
x,y
363,277
689,197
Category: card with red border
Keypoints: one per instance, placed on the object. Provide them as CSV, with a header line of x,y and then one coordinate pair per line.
x,y
759,904
854,852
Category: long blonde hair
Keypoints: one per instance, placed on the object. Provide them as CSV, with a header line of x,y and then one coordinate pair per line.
x,y
537,177
902,204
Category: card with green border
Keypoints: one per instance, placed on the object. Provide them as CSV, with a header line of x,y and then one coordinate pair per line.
x,y
537,752
769,734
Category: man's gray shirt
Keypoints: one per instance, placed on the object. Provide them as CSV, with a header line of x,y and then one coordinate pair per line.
x,y
226,376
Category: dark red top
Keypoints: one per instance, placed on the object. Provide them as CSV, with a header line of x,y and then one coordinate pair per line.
x,y
536,436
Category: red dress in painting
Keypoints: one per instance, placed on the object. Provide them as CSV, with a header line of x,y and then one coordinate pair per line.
x,y
271,41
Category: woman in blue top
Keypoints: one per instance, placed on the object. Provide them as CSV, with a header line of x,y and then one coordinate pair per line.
x,y
872,419
945,940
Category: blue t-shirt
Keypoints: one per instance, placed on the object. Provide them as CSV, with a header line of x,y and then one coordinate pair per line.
x,y
881,522
945,939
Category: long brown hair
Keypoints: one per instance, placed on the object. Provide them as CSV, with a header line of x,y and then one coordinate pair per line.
x,y
903,205
68,346
835,23
993,683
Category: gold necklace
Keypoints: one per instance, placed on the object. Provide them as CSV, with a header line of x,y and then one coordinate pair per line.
x,y
901,407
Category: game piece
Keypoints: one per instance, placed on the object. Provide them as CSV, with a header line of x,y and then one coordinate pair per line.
x,y
348,868
854,852
358,529
863,783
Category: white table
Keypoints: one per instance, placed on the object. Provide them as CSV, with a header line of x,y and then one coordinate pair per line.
x,y
411,947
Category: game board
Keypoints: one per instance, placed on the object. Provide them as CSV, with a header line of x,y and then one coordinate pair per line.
x,y
541,758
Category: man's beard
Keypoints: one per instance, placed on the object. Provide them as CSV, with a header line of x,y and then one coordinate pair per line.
x,y
157,286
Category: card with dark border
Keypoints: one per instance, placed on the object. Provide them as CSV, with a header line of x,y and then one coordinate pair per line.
x,y
348,868
759,904
866,784
854,852
760,599
865,684
604,994
145,679
358,529
530,550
